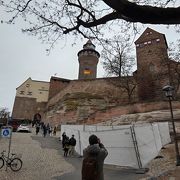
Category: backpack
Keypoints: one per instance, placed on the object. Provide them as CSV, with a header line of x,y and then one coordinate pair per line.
x,y
90,168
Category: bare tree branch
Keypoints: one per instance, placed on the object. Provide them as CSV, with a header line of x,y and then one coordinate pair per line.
x,y
23,8
89,18
133,12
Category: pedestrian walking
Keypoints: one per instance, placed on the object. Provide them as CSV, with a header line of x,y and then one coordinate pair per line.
x,y
44,130
50,131
66,146
37,128
48,126
94,155
63,139
54,131
72,144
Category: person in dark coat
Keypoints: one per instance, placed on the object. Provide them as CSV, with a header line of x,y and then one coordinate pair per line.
x,y
37,128
96,147
54,131
63,139
44,130
66,146
72,144
50,130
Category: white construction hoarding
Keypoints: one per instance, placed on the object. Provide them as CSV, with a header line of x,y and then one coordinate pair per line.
x,y
130,145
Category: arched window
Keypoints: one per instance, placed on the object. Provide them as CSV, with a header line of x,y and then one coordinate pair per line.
x,y
151,67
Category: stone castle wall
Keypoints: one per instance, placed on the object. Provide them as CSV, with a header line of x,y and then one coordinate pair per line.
x,y
101,87
81,99
56,85
26,108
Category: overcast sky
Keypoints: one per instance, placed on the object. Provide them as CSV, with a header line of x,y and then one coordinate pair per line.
x,y
23,56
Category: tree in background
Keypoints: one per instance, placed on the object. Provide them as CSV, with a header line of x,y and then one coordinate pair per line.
x,y
117,56
51,19
174,51
174,64
118,61
4,115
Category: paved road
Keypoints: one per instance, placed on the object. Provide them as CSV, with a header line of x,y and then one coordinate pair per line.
x,y
43,160
109,172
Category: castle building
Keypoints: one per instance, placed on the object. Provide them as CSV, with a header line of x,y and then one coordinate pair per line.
x,y
89,99
31,97
152,57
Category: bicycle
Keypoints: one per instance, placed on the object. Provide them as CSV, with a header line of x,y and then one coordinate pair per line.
x,y
13,162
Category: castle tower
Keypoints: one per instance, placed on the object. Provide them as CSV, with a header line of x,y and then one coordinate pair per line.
x,y
88,59
152,58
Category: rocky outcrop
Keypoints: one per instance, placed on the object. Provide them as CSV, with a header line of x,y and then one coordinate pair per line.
x,y
148,117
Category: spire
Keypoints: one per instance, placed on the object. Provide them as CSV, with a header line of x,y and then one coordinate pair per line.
x,y
89,45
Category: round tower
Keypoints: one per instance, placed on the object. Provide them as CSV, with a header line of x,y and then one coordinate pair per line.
x,y
88,59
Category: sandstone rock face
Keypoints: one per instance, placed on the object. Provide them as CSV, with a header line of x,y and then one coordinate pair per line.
x,y
154,116
148,117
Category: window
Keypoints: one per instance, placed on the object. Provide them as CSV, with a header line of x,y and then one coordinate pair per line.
x,y
157,40
145,43
29,93
87,71
137,45
152,67
149,42
42,89
21,92
27,85
40,92
148,33
141,45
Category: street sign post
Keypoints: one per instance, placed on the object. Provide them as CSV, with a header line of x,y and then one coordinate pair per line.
x,y
6,132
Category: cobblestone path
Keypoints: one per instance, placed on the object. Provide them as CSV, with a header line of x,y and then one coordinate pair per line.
x,y
41,157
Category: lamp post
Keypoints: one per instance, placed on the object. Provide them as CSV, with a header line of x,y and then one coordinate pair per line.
x,y
169,93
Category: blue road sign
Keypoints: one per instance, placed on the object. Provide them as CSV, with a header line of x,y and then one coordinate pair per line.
x,y
6,132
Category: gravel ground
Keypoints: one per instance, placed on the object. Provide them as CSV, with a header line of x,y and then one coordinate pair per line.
x,y
40,162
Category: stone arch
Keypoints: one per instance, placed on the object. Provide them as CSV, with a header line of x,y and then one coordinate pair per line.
x,y
36,118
